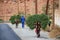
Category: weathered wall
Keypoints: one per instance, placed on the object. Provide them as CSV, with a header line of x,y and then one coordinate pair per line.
x,y
7,9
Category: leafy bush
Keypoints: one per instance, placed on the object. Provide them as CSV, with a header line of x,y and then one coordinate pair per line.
x,y
43,19
14,18
1,20
18,17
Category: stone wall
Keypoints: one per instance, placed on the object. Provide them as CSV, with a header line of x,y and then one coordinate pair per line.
x,y
12,7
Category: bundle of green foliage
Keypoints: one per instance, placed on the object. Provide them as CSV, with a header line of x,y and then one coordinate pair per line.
x,y
1,20
12,19
15,19
43,19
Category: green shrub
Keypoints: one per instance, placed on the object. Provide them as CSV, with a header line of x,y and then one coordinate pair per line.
x,y
14,18
18,17
1,20
42,18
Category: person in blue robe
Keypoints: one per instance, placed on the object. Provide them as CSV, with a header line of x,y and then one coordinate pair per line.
x,y
22,21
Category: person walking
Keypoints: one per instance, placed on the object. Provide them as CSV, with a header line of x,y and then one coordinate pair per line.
x,y
22,21
37,26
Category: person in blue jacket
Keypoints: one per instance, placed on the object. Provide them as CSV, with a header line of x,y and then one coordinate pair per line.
x,y
22,21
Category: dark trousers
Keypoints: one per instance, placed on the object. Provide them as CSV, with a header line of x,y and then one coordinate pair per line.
x,y
38,33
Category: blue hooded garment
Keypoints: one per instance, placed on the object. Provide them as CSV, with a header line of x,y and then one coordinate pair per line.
x,y
22,21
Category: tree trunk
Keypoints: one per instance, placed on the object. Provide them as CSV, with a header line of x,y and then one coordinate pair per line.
x,y
36,7
47,6
53,15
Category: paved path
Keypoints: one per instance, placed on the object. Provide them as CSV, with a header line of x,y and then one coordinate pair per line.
x,y
6,33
